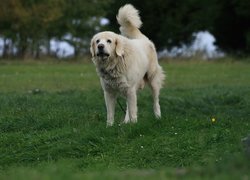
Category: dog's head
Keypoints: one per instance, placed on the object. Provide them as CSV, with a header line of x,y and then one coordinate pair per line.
x,y
106,45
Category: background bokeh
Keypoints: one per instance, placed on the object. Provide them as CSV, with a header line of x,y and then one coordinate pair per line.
x,y
35,28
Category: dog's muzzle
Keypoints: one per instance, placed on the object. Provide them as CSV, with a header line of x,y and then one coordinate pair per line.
x,y
101,51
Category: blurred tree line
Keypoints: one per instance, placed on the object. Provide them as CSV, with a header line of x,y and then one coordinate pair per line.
x,y
31,24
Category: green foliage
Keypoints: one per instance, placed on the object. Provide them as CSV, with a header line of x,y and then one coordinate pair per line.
x,y
53,126
30,23
171,22
27,21
231,26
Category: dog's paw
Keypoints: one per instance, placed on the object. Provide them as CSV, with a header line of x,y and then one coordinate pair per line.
x,y
157,114
134,120
109,124
126,120
157,111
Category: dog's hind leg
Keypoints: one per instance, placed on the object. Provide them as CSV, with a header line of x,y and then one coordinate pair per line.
x,y
156,92
155,84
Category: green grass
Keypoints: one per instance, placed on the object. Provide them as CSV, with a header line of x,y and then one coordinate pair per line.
x,y
53,124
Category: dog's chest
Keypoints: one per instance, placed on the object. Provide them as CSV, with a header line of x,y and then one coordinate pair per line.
x,y
113,79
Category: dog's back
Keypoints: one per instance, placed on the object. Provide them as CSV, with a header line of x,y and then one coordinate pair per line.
x,y
130,23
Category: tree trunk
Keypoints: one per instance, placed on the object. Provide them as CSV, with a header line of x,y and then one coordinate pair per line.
x,y
5,48
37,51
48,47
22,48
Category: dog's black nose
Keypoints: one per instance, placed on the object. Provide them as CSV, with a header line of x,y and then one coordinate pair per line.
x,y
100,46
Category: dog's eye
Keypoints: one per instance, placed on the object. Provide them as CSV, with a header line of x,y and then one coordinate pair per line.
x,y
109,41
97,41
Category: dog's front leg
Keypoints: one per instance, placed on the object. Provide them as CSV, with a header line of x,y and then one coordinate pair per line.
x,y
131,105
110,100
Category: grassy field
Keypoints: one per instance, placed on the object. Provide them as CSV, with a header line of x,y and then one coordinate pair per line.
x,y
53,124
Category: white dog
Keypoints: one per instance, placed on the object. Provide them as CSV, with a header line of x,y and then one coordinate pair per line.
x,y
125,63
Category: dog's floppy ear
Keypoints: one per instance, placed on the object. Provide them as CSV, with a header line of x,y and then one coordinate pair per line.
x,y
119,47
92,48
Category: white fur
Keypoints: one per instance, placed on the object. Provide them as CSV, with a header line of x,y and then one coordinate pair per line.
x,y
129,16
125,64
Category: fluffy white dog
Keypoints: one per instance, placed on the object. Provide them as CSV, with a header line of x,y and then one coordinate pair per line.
x,y
125,63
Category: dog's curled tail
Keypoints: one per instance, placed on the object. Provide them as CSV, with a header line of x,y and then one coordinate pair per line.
x,y
130,21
